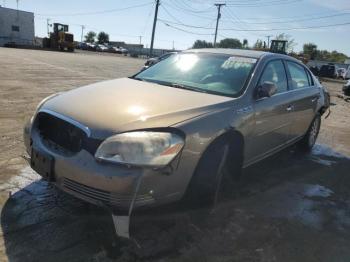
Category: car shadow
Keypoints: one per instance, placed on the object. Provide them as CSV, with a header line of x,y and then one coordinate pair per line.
x,y
41,223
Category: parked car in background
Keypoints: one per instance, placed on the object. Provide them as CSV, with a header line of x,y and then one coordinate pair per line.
x,y
346,88
174,129
110,49
328,71
155,60
82,46
101,48
91,47
120,50
341,72
315,70
347,74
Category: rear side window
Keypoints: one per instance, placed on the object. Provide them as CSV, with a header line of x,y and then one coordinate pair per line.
x,y
274,72
298,75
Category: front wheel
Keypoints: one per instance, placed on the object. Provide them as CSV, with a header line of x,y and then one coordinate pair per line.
x,y
217,164
310,137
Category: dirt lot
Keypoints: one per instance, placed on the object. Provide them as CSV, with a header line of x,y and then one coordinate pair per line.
x,y
292,207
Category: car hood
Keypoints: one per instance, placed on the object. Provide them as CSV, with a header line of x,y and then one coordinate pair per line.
x,y
127,104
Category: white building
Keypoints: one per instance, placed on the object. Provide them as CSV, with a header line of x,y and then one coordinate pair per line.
x,y
16,27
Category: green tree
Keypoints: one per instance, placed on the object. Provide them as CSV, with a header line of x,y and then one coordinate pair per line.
x,y
333,56
103,38
258,44
310,50
291,42
202,44
230,43
245,43
90,37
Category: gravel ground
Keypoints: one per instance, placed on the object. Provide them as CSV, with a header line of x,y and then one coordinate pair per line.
x,y
291,207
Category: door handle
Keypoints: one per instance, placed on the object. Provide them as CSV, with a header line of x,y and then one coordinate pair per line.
x,y
290,108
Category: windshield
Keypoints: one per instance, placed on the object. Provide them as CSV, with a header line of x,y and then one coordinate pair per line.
x,y
211,73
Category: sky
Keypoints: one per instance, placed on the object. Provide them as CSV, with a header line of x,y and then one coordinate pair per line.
x,y
181,22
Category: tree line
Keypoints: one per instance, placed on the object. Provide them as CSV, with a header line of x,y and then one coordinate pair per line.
x,y
310,50
102,37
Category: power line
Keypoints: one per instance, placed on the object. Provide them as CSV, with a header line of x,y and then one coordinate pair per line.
x,y
293,17
182,10
182,30
243,25
253,30
271,3
297,20
186,7
99,12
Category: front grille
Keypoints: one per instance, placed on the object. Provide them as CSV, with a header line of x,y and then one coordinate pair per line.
x,y
59,134
105,197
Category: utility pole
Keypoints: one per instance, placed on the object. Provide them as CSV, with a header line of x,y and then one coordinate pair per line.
x,y
48,26
268,40
82,32
140,39
154,27
173,45
217,21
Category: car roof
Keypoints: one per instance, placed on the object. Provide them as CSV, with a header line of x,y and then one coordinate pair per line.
x,y
228,51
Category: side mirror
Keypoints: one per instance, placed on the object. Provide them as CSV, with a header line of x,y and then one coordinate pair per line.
x,y
267,89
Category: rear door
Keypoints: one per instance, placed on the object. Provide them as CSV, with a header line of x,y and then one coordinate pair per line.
x,y
304,94
272,114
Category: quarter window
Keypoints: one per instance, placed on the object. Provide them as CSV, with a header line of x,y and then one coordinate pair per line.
x,y
298,75
274,72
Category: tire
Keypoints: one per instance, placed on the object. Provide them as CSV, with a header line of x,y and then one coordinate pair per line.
x,y
211,170
310,137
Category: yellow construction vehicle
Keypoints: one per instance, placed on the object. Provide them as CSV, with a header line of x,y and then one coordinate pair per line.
x,y
280,47
60,39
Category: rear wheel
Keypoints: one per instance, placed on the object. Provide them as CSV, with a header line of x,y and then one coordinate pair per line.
x,y
310,138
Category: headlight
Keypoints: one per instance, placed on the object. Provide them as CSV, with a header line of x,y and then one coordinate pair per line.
x,y
142,148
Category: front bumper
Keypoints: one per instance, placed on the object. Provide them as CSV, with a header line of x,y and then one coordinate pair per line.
x,y
106,184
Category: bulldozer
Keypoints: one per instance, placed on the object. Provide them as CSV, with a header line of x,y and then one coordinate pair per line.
x,y
60,39
280,47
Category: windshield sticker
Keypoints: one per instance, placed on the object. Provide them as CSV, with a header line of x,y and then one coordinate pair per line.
x,y
238,59
238,62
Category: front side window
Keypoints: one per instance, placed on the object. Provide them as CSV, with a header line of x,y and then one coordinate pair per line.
x,y
219,74
275,73
298,75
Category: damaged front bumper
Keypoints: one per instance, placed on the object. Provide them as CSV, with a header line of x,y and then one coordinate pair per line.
x,y
103,184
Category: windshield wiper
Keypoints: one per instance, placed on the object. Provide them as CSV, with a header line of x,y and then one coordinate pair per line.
x,y
137,78
165,83
181,86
